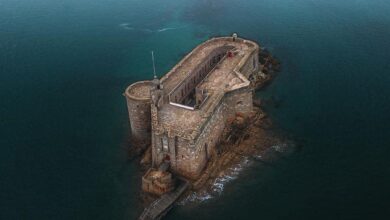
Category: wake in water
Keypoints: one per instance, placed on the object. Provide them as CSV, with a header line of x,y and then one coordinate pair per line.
x,y
128,26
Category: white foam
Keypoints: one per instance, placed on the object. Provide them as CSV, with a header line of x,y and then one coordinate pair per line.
x,y
196,197
259,157
218,185
166,29
280,147
126,26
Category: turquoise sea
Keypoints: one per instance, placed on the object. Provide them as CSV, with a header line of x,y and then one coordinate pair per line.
x,y
64,127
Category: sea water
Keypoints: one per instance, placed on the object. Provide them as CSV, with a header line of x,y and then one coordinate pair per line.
x,y
64,127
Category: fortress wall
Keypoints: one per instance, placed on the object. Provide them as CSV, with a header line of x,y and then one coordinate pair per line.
x,y
210,136
251,64
189,159
169,150
207,141
180,153
182,156
192,159
138,105
139,114
157,149
186,163
240,101
172,152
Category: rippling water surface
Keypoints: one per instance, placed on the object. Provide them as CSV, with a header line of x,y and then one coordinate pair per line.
x,y
64,128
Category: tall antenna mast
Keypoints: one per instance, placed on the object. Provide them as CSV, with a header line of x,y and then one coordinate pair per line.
x,y
154,67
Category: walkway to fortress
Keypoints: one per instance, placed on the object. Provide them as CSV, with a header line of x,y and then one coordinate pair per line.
x,y
161,206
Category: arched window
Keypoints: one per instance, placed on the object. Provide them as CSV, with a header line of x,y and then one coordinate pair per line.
x,y
165,144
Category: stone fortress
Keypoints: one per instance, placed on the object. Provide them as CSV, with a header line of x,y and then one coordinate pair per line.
x,y
182,116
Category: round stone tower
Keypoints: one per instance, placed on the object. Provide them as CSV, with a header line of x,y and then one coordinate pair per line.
x,y
138,104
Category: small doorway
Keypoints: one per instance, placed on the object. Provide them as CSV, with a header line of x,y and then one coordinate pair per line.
x,y
167,158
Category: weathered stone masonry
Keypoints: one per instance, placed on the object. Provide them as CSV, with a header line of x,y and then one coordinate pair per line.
x,y
138,105
184,114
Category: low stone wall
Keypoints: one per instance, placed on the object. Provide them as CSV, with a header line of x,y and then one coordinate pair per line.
x,y
251,64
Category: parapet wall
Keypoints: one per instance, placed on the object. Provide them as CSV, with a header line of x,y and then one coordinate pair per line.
x,y
251,64
138,105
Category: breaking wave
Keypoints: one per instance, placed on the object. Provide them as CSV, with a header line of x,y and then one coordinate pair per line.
x,y
218,185
280,147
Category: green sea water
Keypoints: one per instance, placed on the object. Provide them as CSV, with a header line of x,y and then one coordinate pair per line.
x,y
64,127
